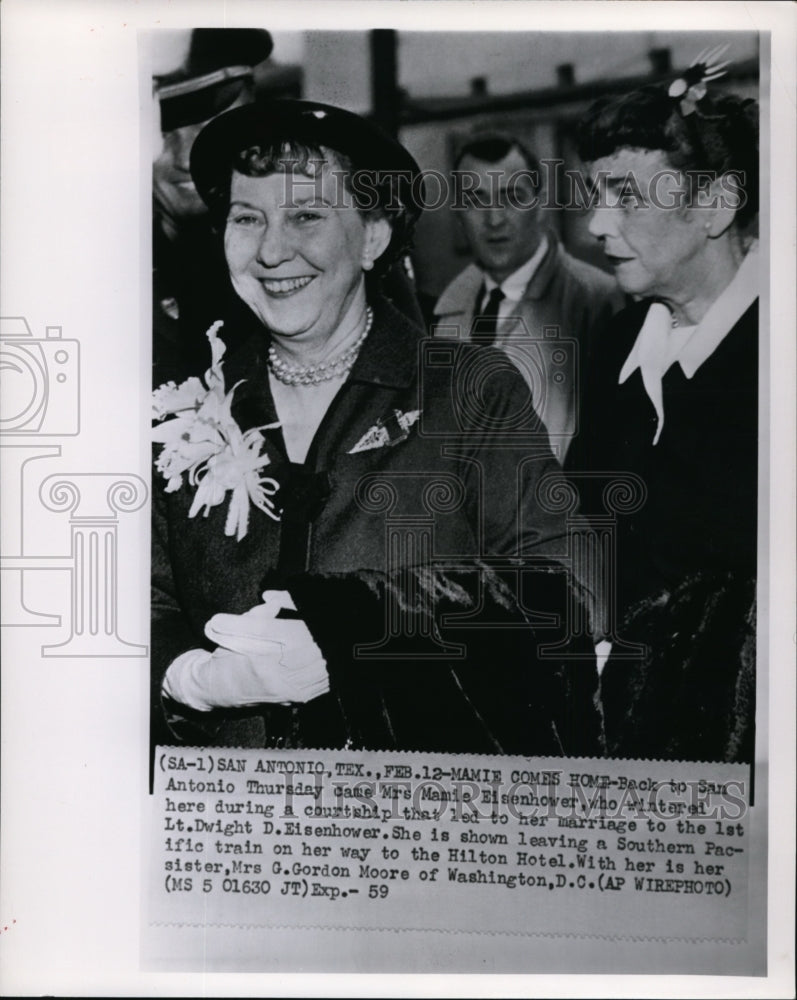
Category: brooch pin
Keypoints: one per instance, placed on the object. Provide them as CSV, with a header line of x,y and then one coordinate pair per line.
x,y
387,431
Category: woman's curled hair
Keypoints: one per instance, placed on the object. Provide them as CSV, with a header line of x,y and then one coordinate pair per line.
x,y
720,136
382,193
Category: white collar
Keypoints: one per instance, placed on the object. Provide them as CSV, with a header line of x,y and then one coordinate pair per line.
x,y
515,285
722,316
658,346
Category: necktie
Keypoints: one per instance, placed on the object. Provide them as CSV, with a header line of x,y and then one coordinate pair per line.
x,y
485,326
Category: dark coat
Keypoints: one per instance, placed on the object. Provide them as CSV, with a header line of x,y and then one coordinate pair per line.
x,y
190,289
463,482
686,558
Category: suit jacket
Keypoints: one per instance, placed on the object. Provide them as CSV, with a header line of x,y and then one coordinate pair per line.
x,y
464,485
550,332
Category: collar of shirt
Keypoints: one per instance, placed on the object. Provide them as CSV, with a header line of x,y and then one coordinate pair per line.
x,y
515,285
693,346
659,345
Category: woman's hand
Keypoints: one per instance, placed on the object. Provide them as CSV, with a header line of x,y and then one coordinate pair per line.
x,y
259,658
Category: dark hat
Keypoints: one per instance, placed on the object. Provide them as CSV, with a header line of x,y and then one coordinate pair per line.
x,y
389,166
218,65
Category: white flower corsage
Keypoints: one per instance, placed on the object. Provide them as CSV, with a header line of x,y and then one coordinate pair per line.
x,y
203,439
388,431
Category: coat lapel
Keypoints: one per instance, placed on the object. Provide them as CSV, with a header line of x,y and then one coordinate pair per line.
x,y
387,363
458,301
544,274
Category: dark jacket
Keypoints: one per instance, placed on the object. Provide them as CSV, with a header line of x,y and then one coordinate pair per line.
x,y
686,556
461,489
190,289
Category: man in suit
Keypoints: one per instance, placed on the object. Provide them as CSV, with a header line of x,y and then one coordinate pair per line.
x,y
524,293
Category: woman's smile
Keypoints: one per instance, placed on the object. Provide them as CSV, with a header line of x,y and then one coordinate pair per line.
x,y
296,260
280,288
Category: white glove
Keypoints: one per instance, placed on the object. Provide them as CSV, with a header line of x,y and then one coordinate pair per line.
x,y
259,631
260,659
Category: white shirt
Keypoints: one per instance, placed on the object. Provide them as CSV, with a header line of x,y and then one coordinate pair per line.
x,y
515,285
659,345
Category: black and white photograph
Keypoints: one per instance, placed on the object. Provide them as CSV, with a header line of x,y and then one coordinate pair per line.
x,y
398,454
405,412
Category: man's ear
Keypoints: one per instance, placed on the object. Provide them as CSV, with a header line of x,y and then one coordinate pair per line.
x,y
378,233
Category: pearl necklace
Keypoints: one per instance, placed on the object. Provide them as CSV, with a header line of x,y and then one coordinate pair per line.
x,y
315,374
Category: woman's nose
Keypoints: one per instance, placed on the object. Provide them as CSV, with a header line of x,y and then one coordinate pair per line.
x,y
274,245
601,222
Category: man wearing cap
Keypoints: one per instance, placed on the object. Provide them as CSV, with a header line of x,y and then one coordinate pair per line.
x,y
524,293
197,75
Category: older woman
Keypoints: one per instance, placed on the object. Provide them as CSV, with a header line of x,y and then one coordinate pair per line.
x,y
672,407
350,474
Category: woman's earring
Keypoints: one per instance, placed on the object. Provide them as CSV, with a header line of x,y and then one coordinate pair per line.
x,y
367,264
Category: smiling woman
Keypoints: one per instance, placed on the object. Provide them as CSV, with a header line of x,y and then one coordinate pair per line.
x,y
296,257
370,476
